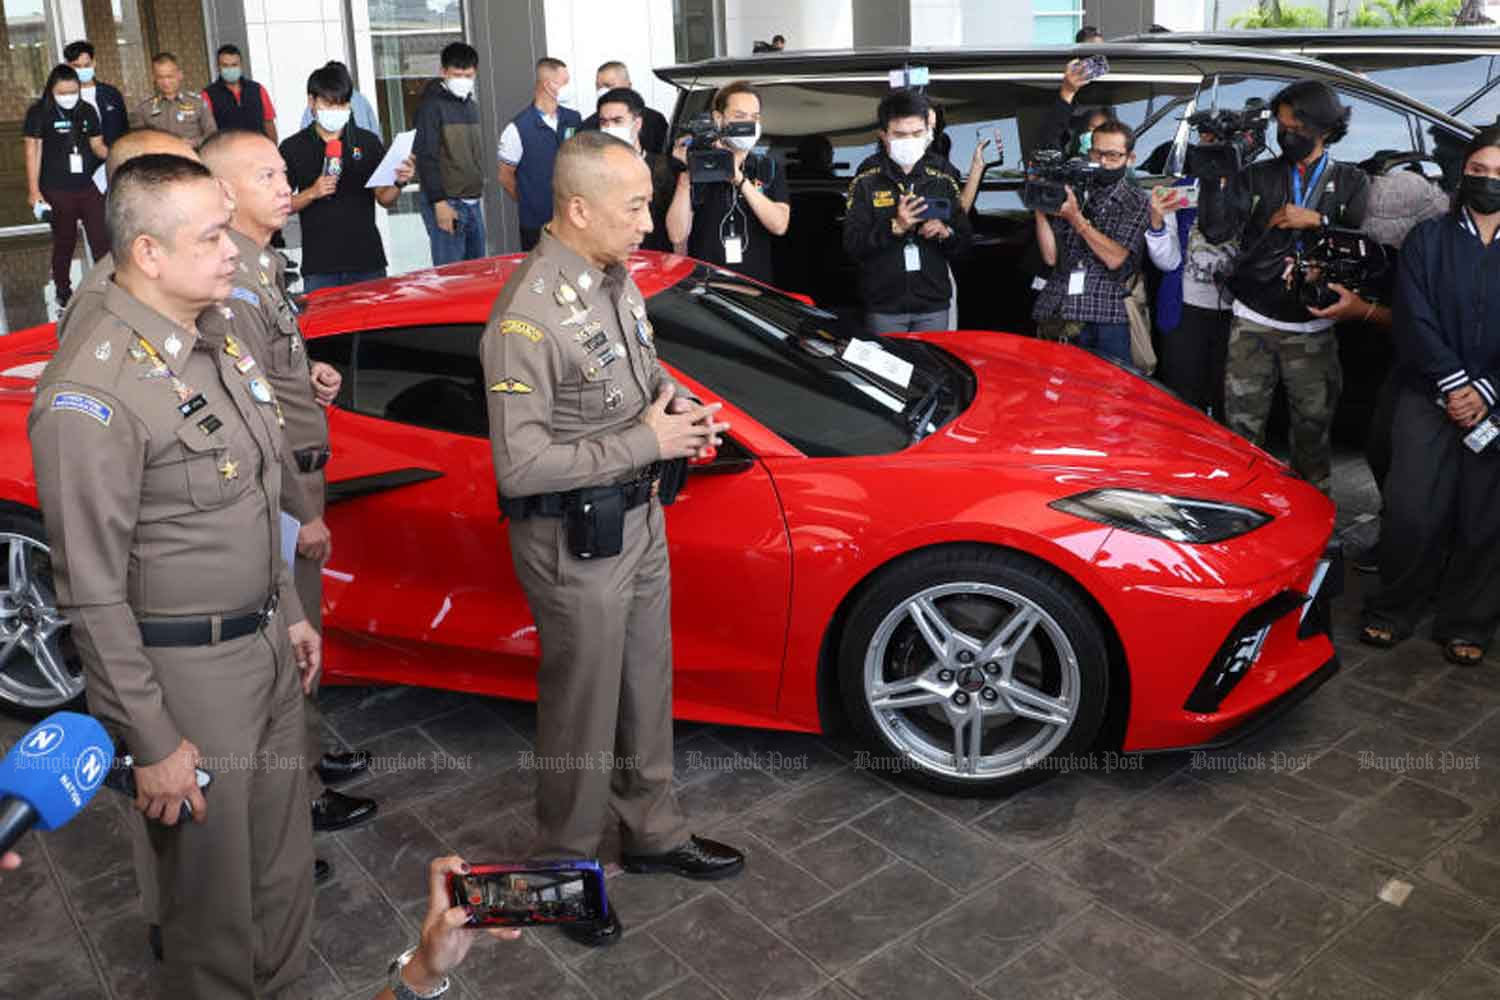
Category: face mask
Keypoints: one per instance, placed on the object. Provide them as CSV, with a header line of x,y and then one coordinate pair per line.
x,y
1295,146
1104,177
906,152
745,143
86,74
622,132
67,101
565,94
231,74
1085,143
460,86
1482,194
333,119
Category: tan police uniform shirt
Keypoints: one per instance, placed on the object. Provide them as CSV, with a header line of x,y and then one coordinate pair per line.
x,y
570,365
185,116
265,316
88,298
157,459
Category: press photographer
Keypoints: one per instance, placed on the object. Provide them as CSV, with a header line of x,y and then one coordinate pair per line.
x,y
1092,241
1440,536
729,220
905,221
1276,208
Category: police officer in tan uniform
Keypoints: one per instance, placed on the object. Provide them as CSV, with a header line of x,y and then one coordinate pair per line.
x,y
251,168
157,459
582,416
169,109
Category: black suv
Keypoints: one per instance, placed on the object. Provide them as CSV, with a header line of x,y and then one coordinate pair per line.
x,y
818,112
1456,69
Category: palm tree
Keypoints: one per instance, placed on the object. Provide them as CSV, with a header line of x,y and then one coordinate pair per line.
x,y
1472,12
1272,14
1407,14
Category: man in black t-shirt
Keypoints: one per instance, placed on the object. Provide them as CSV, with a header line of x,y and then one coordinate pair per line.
x,y
328,164
732,223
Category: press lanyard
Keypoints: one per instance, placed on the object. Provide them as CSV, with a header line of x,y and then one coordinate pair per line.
x,y
1300,195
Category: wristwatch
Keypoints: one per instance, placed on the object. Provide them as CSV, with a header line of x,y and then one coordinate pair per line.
x,y
398,985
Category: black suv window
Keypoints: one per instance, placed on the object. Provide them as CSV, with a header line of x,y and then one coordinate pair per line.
x,y
1373,127
1485,109
1442,82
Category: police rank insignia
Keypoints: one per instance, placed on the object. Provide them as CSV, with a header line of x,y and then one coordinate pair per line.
x,y
172,344
230,469
643,331
231,346
511,386
539,286
83,403
521,327
613,397
102,352
584,281
243,365
565,295
260,390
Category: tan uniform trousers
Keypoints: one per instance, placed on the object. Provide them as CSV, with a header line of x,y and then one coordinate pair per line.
x,y
604,689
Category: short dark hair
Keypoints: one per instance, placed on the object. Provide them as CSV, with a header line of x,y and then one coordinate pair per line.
x,y
82,47
227,49
1085,33
60,72
902,104
1113,126
1316,105
613,64
549,62
778,38
625,96
721,99
459,55
139,201
1487,136
330,83
165,57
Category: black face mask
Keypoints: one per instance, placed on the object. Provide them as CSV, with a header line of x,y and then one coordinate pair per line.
x,y
1105,177
1482,194
1295,146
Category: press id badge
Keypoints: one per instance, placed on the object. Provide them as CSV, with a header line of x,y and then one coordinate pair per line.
x,y
1075,283
734,250
1480,437
75,162
913,257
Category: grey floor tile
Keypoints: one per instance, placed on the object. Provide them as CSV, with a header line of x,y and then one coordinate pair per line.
x,y
131,971
1395,752
59,971
406,767
379,710
689,988
1315,725
489,793
863,919
1220,871
1408,948
521,970
1339,771
773,888
958,856
1138,965
1489,951
903,972
1419,720
1484,836
396,850
791,758
1132,887
726,794
1327,978
636,967
1407,822
1002,920
1039,817
108,894
734,952
1286,791
842,857
1167,818
355,930
1042,973
32,891
319,982
1472,981
644,898
476,738
700,754
1465,870
1267,937
488,841
1307,854
95,843
815,810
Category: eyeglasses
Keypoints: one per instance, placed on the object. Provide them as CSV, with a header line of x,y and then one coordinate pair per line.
x,y
1108,155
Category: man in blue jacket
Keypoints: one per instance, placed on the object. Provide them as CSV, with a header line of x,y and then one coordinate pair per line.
x,y
528,147
114,119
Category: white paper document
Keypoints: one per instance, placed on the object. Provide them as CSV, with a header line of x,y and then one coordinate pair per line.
x,y
290,526
873,358
400,149
100,181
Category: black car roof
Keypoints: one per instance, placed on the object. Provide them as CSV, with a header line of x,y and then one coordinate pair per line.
x,y
1355,38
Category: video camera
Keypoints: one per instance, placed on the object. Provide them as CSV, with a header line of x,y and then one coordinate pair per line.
x,y
1239,137
707,163
1345,256
1049,174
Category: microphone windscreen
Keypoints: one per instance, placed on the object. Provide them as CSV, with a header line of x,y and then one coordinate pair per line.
x,y
58,766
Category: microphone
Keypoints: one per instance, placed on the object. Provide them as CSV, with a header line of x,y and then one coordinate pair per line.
x,y
333,157
51,774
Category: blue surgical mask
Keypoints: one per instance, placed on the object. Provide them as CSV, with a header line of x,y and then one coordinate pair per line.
x,y
231,74
1085,143
85,74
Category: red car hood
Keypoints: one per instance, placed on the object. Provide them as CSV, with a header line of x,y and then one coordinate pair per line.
x,y
1047,405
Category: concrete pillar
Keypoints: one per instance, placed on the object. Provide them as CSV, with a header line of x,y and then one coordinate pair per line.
x,y
882,22
509,43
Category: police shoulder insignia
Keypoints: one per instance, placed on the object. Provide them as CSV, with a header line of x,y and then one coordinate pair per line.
x,y
244,295
525,329
80,402
512,386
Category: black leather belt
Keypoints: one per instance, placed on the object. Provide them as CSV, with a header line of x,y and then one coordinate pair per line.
x,y
207,631
636,492
311,459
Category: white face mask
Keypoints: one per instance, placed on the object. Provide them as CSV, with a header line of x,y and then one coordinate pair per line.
x,y
906,152
745,143
67,101
333,119
624,133
460,86
565,94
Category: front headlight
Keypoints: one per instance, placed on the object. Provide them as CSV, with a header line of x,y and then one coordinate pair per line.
x,y
1177,519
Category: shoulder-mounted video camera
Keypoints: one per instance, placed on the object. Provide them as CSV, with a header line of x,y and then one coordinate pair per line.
x,y
1049,174
707,163
1239,137
1345,256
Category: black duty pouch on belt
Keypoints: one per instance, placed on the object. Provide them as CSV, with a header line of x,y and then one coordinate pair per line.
x,y
673,476
595,523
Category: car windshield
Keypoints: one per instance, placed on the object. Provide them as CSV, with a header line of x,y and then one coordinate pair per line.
x,y
792,368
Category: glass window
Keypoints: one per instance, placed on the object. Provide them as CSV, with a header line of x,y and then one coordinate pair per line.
x,y
1442,82
1056,22
1372,128
1486,107
423,376
693,29
407,39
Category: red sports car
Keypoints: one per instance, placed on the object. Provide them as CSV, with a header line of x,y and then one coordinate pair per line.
x,y
988,552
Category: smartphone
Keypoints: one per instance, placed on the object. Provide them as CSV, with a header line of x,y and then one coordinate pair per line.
x,y
1094,67
937,208
121,778
996,141
515,895
1190,195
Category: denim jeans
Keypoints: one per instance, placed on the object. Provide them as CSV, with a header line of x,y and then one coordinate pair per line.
x,y
879,322
466,242
333,279
1109,339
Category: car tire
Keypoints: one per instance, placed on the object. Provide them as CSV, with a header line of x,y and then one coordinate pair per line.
x,y
963,638
31,688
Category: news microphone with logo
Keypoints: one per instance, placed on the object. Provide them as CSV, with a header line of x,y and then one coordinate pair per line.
x,y
51,774
333,157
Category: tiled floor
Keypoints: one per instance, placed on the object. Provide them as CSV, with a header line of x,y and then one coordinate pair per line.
x,y
1352,851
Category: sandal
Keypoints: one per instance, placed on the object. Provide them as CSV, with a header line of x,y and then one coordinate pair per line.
x,y
1473,652
1379,634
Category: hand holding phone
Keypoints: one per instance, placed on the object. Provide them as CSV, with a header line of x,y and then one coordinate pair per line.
x,y
121,778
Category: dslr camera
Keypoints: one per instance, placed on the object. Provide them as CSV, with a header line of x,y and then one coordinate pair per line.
x,y
708,164
1239,137
1049,174
1345,256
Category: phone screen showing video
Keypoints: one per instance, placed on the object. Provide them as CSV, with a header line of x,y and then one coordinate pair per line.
x,y
515,896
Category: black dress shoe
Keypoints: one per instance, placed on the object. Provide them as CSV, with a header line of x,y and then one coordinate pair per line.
x,y
596,935
698,857
153,938
322,872
337,767
337,811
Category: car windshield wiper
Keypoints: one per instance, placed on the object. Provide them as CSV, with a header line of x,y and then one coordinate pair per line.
x,y
919,410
